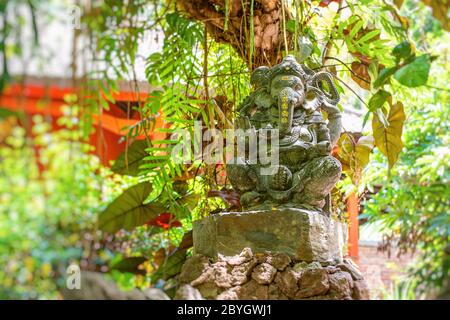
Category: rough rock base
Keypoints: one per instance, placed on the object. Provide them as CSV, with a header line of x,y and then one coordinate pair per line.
x,y
269,276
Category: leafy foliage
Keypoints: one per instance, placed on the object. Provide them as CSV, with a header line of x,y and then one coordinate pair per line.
x,y
201,73
412,203
49,203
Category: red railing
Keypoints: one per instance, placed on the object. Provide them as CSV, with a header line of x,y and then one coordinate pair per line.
x,y
109,126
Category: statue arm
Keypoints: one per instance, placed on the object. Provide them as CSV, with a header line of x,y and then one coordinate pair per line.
x,y
323,146
329,105
334,122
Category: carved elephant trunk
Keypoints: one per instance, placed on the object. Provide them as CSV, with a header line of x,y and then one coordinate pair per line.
x,y
288,99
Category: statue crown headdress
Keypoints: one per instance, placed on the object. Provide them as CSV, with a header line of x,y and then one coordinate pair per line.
x,y
289,66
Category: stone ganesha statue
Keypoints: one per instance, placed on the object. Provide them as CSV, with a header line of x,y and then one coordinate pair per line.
x,y
290,97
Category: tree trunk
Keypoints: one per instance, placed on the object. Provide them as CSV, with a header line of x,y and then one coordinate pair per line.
x,y
269,40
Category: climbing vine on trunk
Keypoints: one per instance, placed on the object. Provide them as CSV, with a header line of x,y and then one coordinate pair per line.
x,y
253,28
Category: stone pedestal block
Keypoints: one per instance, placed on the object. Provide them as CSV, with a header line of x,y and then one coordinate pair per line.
x,y
301,234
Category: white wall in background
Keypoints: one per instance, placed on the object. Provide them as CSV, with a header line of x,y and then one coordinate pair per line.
x,y
54,56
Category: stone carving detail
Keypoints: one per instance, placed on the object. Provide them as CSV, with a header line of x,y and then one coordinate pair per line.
x,y
290,97
267,275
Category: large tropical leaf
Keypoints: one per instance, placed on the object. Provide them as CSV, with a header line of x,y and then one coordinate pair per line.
x,y
389,138
129,210
130,160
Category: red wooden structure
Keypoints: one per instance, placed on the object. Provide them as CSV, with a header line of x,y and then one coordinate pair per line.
x,y
34,99
353,226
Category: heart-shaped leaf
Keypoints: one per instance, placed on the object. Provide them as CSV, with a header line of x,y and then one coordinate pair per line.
x,y
129,210
389,139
